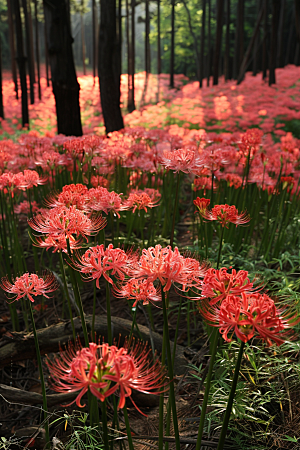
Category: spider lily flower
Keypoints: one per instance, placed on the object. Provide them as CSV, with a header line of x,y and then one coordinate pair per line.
x,y
29,285
71,195
138,199
249,315
226,214
105,370
138,290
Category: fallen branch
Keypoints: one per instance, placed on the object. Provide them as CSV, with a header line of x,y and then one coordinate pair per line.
x,y
15,395
19,346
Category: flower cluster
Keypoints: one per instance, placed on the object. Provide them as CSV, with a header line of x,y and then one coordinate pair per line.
x,y
29,285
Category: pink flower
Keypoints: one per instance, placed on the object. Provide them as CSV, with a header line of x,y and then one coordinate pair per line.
x,y
29,285
226,214
138,290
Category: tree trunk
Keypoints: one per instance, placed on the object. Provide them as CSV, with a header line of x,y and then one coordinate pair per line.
x,y
297,18
95,27
251,44
131,56
227,44
289,44
274,33
12,45
239,38
21,63
158,50
208,42
37,49
109,79
195,40
63,75
201,74
256,45
29,53
172,44
264,49
280,34
82,38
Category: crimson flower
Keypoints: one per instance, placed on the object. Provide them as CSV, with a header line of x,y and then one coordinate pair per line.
x,y
218,284
98,261
63,221
181,160
105,370
138,290
226,214
249,315
202,204
148,198
29,285
71,195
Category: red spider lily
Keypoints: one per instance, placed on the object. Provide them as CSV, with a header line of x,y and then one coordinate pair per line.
x,y
29,285
138,199
71,195
169,267
138,290
58,243
99,181
24,207
218,284
32,178
202,204
100,199
226,214
51,159
106,370
98,261
249,315
63,221
182,160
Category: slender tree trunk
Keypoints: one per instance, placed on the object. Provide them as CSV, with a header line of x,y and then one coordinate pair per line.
x,y
21,63
273,50
94,18
172,60
29,54
220,7
280,34
131,101
147,51
289,44
297,51
239,38
244,64
201,74
129,80
12,45
195,40
158,50
209,42
63,75
1,90
119,47
297,18
227,44
82,38
109,78
256,44
37,49
46,55
31,40
264,49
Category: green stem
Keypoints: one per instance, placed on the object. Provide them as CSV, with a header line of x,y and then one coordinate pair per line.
x,y
207,387
231,397
170,372
94,312
39,360
108,313
104,424
130,442
220,246
63,274
175,209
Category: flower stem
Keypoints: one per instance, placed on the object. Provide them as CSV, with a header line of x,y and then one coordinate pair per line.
x,y
130,442
63,274
231,397
220,246
175,210
104,424
39,360
207,387
108,313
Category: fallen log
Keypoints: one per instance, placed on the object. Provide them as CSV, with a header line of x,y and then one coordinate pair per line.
x,y
19,346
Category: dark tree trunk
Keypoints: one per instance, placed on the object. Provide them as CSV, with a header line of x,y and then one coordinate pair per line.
x,y
227,44
273,50
46,54
29,53
109,78
265,39
21,63
220,7
172,44
297,18
131,101
37,49
158,50
201,74
251,44
12,45
289,44
256,44
1,90
208,42
63,75
297,51
280,34
129,94
147,41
